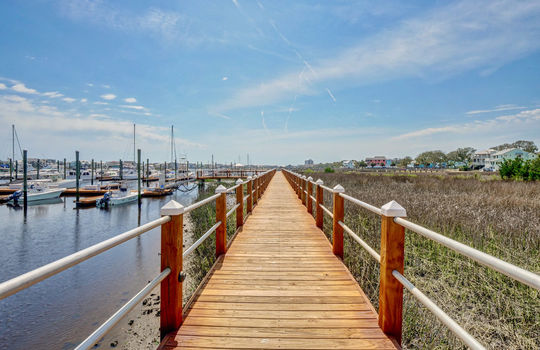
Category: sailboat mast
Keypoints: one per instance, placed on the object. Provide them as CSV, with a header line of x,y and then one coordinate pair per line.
x,y
13,142
172,137
133,144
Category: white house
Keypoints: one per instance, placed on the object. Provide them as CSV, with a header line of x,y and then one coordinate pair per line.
x,y
510,153
349,164
479,158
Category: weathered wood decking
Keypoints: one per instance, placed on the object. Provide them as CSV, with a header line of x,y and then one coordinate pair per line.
x,y
280,287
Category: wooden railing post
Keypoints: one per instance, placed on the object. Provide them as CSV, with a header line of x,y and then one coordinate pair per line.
x,y
392,256
171,257
303,189
221,215
255,184
309,194
259,181
250,194
298,187
240,202
337,232
320,200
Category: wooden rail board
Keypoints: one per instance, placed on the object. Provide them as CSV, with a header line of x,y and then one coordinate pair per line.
x,y
279,286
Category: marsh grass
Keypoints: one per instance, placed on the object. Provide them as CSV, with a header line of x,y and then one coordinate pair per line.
x,y
497,217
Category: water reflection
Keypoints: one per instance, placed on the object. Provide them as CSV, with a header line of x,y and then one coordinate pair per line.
x,y
81,297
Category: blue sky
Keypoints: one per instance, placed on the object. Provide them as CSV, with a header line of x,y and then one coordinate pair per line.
x,y
280,80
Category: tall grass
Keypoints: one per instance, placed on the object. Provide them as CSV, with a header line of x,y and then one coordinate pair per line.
x,y
497,217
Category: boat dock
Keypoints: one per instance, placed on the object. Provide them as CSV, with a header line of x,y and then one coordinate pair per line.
x,y
279,286
279,283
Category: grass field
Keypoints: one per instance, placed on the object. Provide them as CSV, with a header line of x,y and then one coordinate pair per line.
x,y
497,217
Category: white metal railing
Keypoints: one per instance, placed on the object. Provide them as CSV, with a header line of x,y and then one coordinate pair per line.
x,y
229,213
200,240
30,278
529,278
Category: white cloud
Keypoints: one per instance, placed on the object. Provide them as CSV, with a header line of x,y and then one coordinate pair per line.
x,y
69,99
106,86
139,108
130,100
225,78
453,38
52,94
89,84
20,87
496,109
524,120
3,86
84,100
101,103
108,97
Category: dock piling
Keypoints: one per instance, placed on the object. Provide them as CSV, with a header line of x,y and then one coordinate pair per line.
x,y
139,176
77,176
25,179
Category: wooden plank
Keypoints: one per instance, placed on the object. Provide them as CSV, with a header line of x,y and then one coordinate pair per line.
x,y
279,286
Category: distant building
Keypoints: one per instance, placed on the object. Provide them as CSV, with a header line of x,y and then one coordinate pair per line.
x,y
376,161
308,162
497,158
479,158
349,164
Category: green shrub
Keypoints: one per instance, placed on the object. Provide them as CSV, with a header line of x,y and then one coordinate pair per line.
x,y
518,169
329,170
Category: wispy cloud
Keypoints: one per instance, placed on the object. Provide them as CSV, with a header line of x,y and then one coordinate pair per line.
x,y
3,86
68,99
101,103
139,108
20,87
496,109
130,100
84,100
108,97
53,94
447,40
523,121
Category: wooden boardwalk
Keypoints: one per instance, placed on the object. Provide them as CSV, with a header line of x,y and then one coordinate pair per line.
x,y
279,286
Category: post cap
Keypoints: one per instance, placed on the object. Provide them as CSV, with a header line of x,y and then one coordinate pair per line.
x,y
172,208
393,209
239,181
304,177
319,182
221,189
310,178
249,177
338,189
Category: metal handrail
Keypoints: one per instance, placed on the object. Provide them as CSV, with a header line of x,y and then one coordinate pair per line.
x,y
233,188
438,312
365,205
30,278
313,198
201,239
327,211
246,197
370,250
232,209
201,203
529,278
95,337
327,188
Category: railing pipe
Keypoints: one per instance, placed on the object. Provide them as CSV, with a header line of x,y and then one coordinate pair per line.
x,y
529,278
30,278
440,314
201,203
200,240
370,250
99,333
365,205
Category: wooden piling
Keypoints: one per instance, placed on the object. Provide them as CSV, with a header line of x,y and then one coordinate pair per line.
x,y
77,175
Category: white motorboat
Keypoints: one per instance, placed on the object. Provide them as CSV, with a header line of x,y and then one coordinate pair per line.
x,y
37,192
116,198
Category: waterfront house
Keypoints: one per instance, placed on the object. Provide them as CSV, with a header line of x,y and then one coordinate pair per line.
x,y
376,161
348,164
479,158
497,158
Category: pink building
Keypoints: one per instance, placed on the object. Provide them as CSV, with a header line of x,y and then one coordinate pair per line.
x,y
376,161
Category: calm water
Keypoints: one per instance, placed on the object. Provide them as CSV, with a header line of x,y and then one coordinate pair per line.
x,y
60,312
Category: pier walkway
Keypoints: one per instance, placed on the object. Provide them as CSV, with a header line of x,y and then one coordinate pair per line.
x,y
279,286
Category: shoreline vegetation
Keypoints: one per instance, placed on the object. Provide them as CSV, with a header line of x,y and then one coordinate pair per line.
x,y
497,217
